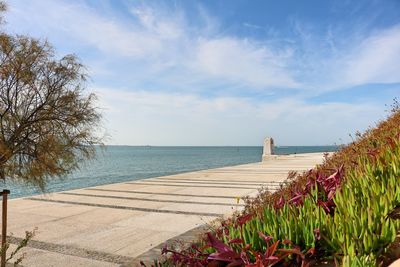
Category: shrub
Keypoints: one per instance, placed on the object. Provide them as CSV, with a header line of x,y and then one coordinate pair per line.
x,y
365,227
24,242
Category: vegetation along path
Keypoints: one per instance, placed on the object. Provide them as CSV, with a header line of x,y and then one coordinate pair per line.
x,y
117,224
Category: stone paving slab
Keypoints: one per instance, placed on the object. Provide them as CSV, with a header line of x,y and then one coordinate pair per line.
x,y
118,224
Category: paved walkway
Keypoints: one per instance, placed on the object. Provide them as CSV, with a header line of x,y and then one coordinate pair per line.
x,y
113,225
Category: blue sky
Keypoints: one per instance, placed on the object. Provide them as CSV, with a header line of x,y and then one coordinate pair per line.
x,y
227,72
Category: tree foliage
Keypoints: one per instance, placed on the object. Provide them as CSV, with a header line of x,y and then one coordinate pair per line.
x,y
47,121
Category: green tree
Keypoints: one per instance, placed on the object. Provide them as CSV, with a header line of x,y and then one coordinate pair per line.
x,y
47,121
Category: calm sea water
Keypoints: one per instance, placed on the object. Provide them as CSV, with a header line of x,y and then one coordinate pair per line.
x,y
123,163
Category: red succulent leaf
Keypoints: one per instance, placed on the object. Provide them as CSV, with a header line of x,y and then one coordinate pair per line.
x,y
311,251
391,142
297,199
331,194
224,252
219,232
214,263
328,206
217,244
291,251
280,203
266,238
373,153
271,249
224,256
324,205
258,263
244,257
235,241
243,219
236,263
226,231
337,176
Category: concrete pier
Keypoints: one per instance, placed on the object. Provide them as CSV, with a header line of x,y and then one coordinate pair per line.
x,y
118,224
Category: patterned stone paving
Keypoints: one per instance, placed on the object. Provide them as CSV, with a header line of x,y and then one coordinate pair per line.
x,y
155,200
74,251
161,194
195,186
127,208
121,224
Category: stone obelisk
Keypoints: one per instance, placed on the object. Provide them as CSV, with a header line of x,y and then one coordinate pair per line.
x,y
268,148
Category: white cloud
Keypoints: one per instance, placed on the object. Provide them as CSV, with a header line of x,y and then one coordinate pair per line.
x,y
161,41
243,62
77,22
138,117
162,26
338,61
375,60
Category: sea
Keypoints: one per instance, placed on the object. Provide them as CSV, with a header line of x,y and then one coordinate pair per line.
x,y
114,164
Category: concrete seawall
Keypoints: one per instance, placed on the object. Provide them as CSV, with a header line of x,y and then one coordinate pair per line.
x,y
117,224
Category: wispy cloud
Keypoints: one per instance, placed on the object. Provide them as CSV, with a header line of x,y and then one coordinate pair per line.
x,y
167,40
76,21
375,60
253,26
141,117
335,61
163,39
244,62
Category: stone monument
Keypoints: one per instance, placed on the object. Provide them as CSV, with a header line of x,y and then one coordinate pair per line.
x,y
268,148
